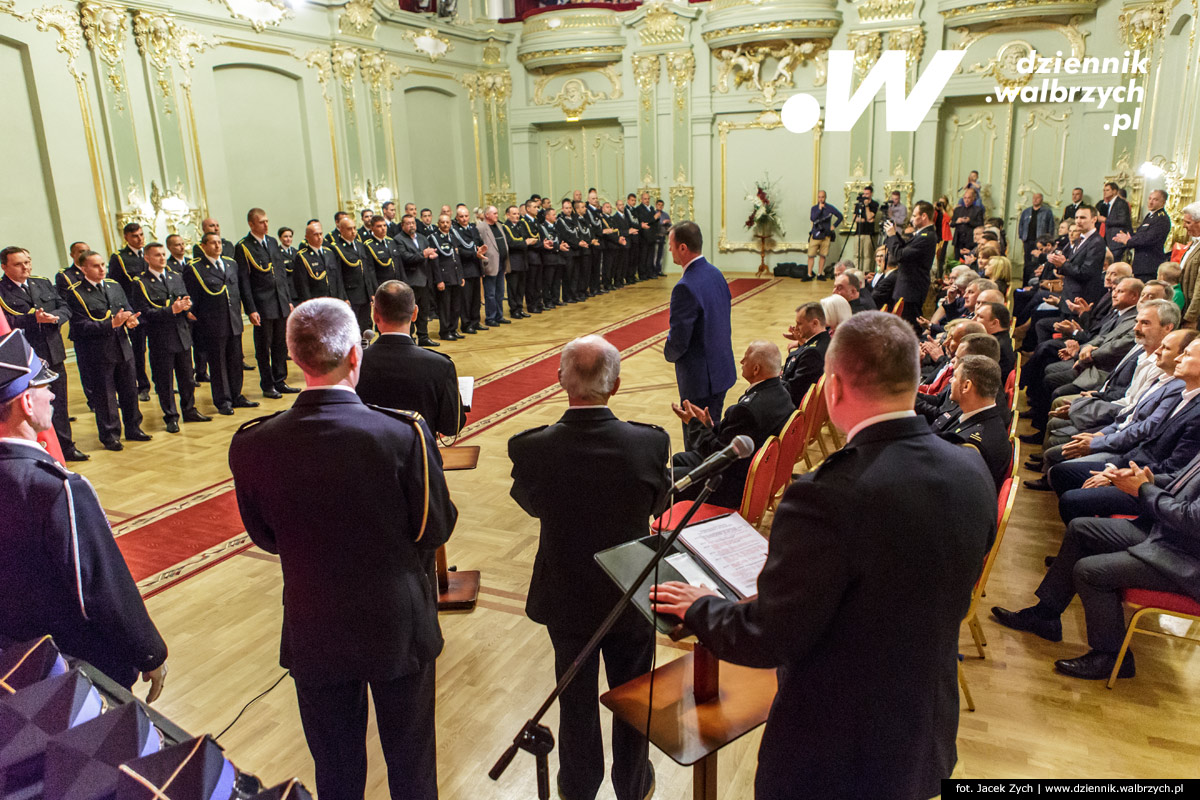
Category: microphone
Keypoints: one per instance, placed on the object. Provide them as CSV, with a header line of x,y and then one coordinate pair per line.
x,y
740,447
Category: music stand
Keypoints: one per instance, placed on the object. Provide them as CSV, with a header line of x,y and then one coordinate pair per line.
x,y
457,591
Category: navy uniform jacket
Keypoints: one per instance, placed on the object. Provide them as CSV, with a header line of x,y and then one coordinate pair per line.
x,y
167,331
317,275
550,256
44,337
1147,243
804,367
467,241
851,549
567,229
987,433
1083,273
760,413
64,278
700,342
354,502
287,256
1170,509
915,257
514,236
398,374
412,256
216,301
623,466
384,256
447,268
358,278
92,308
62,573
262,278
531,228
125,265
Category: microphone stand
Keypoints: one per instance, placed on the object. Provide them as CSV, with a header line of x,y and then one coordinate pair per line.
x,y
536,738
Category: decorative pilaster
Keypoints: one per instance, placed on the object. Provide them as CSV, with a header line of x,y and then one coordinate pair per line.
x,y
104,30
322,62
681,67
379,74
344,61
646,73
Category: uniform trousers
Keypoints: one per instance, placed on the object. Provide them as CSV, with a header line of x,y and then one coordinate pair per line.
x,y
165,366
270,351
425,306
516,291
449,305
472,297
580,745
362,313
116,388
224,369
535,285
334,717
137,339
596,279
1093,562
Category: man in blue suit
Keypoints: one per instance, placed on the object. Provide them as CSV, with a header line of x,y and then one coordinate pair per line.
x,y
700,343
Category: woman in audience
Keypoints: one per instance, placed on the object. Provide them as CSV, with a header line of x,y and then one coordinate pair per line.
x,y
837,310
999,269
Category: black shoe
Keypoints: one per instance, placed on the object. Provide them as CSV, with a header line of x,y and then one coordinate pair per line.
x,y
1037,437
1037,457
503,321
425,341
71,419
285,389
447,337
1034,465
112,444
471,331
241,402
201,377
172,427
144,397
195,416
821,277
1039,485
225,411
535,311
246,366
1049,560
1095,666
1027,620
1026,415
482,328
271,393
73,454
137,436
807,278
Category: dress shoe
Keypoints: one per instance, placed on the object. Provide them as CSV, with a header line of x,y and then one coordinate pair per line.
x,y
271,393
201,377
482,328
112,444
1037,457
1037,437
225,411
1027,620
1095,666
447,337
471,331
807,278
821,277
1039,485
503,321
144,397
246,367
1034,465
427,342
241,402
172,427
195,416
74,454
535,311
285,389
137,436
71,419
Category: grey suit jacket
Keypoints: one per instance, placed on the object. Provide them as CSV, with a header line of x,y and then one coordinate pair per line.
x,y
1173,546
1111,347
492,265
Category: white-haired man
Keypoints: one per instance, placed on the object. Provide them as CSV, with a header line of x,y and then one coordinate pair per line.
x,y
1189,266
359,603
593,481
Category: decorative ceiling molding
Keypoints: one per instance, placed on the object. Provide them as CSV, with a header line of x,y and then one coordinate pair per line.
x,y
430,43
259,13
358,19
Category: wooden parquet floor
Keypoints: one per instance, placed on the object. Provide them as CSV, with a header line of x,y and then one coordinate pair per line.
x,y
222,625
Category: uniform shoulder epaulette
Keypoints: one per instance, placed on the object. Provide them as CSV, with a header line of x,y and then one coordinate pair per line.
x,y
114,283
647,425
258,421
977,436
54,468
528,431
407,416
71,286
194,260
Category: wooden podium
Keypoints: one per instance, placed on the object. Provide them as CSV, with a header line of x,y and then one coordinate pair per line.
x,y
457,591
700,705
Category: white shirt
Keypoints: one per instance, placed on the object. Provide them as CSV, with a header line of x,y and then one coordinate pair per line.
x,y
967,415
343,387
1145,376
1127,413
27,442
1187,397
694,260
869,421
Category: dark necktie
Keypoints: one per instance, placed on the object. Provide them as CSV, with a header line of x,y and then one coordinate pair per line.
x,y
28,293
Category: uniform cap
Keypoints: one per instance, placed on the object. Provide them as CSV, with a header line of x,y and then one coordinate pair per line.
x,y
20,367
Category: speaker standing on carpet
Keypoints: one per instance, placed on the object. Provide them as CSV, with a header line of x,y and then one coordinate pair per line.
x,y
357,550
62,573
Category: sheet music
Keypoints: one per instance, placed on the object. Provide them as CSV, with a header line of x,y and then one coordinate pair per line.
x,y
691,572
466,390
730,547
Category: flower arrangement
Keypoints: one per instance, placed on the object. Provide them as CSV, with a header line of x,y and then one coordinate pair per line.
x,y
764,212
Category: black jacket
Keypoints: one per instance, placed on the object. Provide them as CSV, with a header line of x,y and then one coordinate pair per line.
x,y
92,308
125,265
416,266
263,279
915,257
987,433
359,596
317,274
384,256
1170,510
447,268
226,249
515,234
593,481
216,301
804,367
19,308
358,276
884,288
62,573
467,241
398,374
848,540
1083,273
168,332
1147,243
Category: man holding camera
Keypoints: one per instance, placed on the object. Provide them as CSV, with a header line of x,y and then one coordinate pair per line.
x,y
822,216
865,210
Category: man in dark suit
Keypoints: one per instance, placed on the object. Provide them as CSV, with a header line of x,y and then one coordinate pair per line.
x,y
1115,217
415,255
1083,273
317,273
162,298
212,283
1099,558
384,253
398,374
358,278
62,573
995,318
806,362
100,317
389,219
699,343
845,724
1070,208
981,424
616,461
123,266
472,253
359,593
914,257
760,413
1150,237
32,305
849,285
267,298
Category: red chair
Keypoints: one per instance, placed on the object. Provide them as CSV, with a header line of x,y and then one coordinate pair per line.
x,y
1146,601
815,419
754,499
791,440
1010,389
1004,507
899,308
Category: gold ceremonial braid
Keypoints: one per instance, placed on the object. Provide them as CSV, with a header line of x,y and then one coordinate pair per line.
x,y
4,678
250,258
124,268
309,270
210,292
7,308
345,260
147,294
512,235
87,310
387,263
425,473
525,222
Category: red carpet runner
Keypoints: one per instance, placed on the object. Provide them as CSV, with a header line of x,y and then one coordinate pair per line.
x,y
173,542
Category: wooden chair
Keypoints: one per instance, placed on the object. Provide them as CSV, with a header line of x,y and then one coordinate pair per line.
x,y
815,420
1010,389
883,309
791,440
899,307
1146,601
758,492
1004,507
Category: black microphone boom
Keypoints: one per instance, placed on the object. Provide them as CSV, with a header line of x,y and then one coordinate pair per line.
x,y
740,447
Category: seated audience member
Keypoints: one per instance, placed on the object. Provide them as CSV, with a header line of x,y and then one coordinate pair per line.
x,y
842,266
999,269
1100,557
941,355
952,304
615,459
849,285
995,320
837,310
1170,273
884,284
396,373
806,361
759,413
981,424
1156,290
939,409
1077,318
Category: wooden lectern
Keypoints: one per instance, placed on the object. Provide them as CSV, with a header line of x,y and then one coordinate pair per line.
x,y
700,705
457,591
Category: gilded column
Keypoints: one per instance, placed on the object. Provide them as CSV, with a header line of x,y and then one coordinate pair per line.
x,y
322,62
681,67
344,61
471,81
645,73
379,74
497,87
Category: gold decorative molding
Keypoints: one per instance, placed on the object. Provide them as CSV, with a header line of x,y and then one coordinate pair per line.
x,y
885,10
379,73
573,99
682,197
1142,23
104,32
901,182
259,13
493,55
161,39
576,52
767,28
1010,5
322,62
429,43
1003,66
609,71
661,26
345,65
551,22
358,19
867,46
910,39
681,67
65,21
645,72
745,64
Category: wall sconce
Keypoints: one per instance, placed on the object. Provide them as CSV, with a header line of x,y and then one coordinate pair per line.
x,y
164,211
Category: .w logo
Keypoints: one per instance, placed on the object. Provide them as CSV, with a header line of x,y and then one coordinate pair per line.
x,y
842,109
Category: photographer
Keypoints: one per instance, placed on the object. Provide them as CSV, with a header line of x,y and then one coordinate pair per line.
x,y
865,210
823,232
895,211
